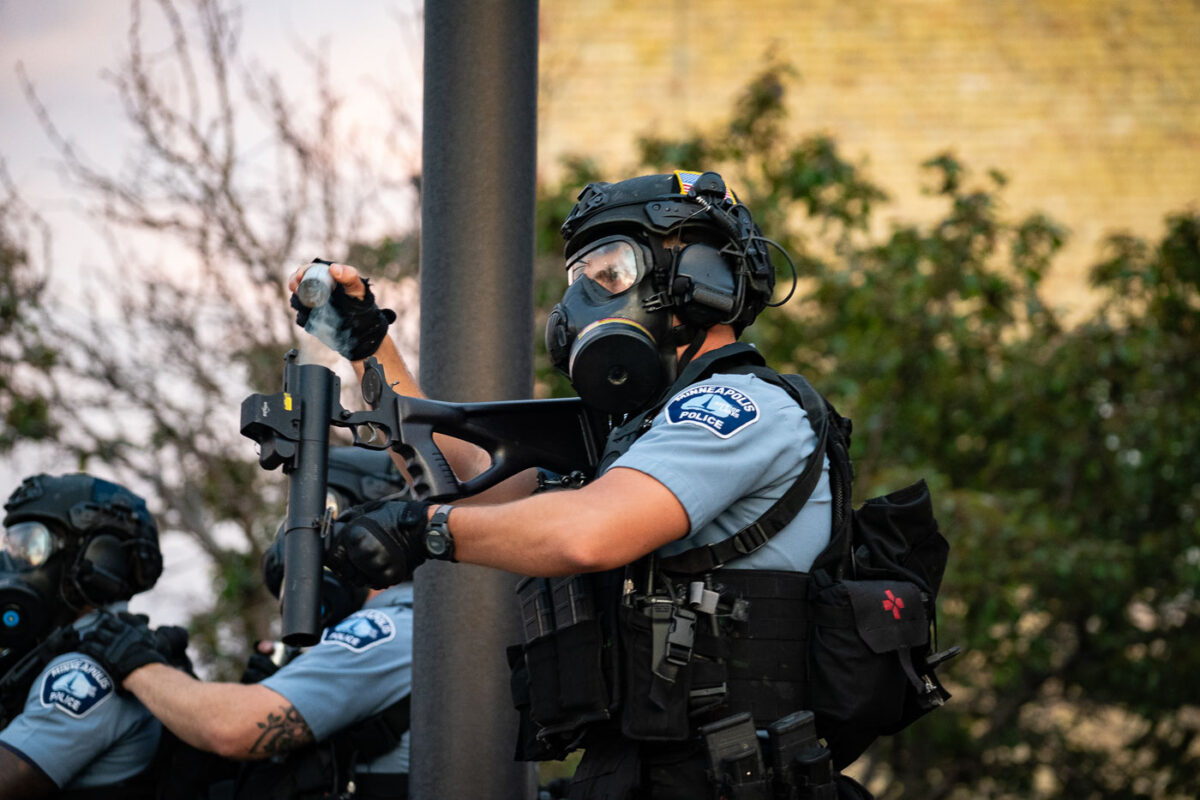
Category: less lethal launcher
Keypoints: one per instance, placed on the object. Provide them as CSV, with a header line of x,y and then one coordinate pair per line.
x,y
292,430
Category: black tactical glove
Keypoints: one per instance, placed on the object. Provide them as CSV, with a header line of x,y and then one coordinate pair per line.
x,y
258,667
378,544
123,643
352,327
172,641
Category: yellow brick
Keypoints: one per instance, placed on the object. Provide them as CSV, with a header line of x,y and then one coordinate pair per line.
x,y
1091,107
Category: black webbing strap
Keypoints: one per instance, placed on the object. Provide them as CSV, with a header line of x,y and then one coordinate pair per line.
x,y
379,785
706,558
379,733
16,683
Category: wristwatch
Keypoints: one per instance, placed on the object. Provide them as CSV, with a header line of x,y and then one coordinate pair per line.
x,y
439,543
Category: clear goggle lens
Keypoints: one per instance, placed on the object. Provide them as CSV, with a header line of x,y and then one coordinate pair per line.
x,y
611,265
27,545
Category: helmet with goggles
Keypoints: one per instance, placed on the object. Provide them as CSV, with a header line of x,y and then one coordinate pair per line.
x,y
728,278
642,254
68,542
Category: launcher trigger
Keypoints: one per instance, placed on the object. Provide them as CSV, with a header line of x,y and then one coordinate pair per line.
x,y
371,428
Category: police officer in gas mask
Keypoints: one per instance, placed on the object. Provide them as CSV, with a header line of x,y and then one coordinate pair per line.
x,y
328,720
72,546
681,520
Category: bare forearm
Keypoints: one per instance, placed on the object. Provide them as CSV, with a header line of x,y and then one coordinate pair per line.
x,y
613,521
230,719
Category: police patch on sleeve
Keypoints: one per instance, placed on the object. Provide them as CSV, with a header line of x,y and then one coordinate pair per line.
x,y
722,409
76,687
362,630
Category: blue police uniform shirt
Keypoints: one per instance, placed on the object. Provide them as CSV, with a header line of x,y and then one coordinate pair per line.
x,y
728,448
78,729
362,665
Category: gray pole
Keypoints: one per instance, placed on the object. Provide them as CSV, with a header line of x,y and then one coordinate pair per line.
x,y
477,219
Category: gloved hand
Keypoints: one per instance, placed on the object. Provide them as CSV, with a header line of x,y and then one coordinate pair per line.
x,y
352,327
379,543
124,642
260,665
172,641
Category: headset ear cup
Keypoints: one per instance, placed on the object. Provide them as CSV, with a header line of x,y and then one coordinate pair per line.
x,y
147,565
704,286
101,570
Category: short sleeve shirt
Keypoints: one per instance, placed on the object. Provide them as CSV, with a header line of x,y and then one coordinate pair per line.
x,y
728,447
362,665
79,730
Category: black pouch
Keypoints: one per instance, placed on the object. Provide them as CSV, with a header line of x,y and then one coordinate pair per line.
x,y
305,774
897,536
559,682
655,702
865,635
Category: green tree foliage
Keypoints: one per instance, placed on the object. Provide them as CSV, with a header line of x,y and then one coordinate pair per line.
x,y
25,355
1061,456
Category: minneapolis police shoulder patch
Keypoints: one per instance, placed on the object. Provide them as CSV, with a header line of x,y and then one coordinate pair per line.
x,y
76,686
362,630
722,409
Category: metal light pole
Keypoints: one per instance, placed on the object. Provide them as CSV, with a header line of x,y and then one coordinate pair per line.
x,y
477,228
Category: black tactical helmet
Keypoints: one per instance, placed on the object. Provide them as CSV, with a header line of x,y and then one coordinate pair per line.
x,y
700,208
103,536
357,475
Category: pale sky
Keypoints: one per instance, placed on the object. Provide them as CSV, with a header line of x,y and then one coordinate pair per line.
x,y
65,47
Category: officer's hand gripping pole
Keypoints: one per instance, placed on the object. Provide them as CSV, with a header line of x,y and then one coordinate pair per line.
x,y
292,430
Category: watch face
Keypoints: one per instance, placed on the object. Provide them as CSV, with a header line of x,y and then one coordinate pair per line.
x,y
435,543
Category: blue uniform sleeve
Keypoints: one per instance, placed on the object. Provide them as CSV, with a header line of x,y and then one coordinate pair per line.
x,y
361,666
723,440
72,717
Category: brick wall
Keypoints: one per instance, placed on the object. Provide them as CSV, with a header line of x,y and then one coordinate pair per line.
x,y
1091,107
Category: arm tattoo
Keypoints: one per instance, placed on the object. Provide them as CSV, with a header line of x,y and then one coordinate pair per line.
x,y
282,733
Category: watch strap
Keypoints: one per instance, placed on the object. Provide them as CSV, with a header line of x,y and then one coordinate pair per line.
x,y
441,521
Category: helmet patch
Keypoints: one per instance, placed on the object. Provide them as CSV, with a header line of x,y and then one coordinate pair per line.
x,y
721,409
361,631
687,179
76,687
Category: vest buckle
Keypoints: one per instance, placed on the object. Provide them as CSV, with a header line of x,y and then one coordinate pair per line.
x,y
681,637
750,539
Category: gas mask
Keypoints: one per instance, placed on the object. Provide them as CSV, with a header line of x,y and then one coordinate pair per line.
x,y
70,541
30,576
607,334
